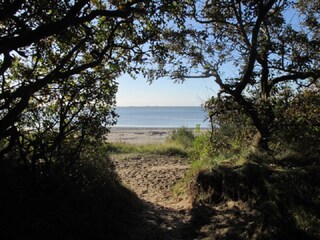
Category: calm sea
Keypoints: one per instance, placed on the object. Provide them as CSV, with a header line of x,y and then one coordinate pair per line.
x,y
161,117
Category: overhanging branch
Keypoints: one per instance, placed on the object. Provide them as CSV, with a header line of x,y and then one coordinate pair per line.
x,y
254,44
71,19
296,76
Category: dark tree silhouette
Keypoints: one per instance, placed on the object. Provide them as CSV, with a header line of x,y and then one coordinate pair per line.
x,y
58,65
252,49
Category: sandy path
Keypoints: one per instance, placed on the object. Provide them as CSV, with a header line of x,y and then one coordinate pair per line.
x,y
164,216
152,177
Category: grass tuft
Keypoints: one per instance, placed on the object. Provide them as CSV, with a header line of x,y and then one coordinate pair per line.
x,y
182,136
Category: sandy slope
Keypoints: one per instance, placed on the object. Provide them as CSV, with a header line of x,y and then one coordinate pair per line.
x,y
152,177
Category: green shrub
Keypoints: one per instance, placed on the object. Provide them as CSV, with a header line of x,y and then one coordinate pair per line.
x,y
216,146
182,136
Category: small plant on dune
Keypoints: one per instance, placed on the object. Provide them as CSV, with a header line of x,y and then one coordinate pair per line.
x,y
183,136
220,144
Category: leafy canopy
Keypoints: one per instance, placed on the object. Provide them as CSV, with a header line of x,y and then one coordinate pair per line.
x,y
251,49
58,65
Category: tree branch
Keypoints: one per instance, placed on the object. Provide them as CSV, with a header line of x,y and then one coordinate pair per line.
x,y
253,51
71,19
7,62
9,9
296,76
240,23
195,17
43,31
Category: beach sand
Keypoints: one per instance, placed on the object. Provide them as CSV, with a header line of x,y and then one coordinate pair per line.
x,y
139,136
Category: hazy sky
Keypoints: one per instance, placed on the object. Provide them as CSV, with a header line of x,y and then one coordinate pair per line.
x,y
164,92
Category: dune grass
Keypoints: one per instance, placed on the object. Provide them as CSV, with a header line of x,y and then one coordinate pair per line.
x,y
178,143
169,149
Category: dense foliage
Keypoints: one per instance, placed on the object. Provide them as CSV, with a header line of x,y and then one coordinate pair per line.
x,y
58,65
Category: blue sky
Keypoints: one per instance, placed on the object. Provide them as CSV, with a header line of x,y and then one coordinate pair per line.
x,y
164,92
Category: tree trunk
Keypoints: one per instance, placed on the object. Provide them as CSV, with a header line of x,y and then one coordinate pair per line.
x,y
260,142
261,139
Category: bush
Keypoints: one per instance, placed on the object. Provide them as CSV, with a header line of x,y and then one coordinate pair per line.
x,y
298,124
183,136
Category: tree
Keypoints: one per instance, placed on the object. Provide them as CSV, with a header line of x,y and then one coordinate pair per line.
x,y
252,49
58,65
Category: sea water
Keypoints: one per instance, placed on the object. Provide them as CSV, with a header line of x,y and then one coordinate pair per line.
x,y
161,117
